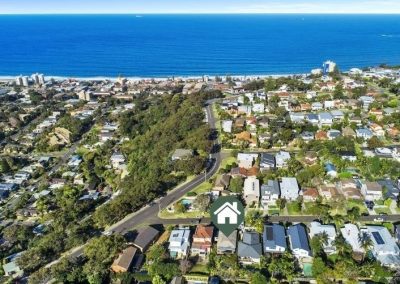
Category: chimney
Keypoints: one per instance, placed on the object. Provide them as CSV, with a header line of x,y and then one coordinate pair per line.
x,y
234,205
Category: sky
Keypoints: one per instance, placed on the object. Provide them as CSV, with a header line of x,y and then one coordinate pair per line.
x,y
198,6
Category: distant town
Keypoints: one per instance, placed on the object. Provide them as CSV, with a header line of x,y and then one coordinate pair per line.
x,y
111,180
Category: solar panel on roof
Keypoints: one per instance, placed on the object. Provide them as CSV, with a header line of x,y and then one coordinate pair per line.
x,y
270,234
378,238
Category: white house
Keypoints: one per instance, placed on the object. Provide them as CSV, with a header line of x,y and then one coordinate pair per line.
x,y
364,133
385,249
258,108
179,243
317,228
351,234
227,126
316,106
371,190
289,188
251,190
246,160
329,104
325,118
227,213
281,159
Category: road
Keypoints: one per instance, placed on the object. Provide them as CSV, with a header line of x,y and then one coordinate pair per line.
x,y
149,214
290,219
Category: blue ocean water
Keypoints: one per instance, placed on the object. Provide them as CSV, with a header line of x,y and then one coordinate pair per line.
x,y
165,45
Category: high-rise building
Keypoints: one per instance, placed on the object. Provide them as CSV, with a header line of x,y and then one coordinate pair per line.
x,y
35,78
18,81
25,81
41,79
328,67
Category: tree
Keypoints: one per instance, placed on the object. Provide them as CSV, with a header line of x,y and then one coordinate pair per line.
x,y
281,203
282,267
202,202
100,253
342,246
156,252
258,278
158,280
374,142
179,207
185,265
4,166
365,242
236,185
354,214
19,235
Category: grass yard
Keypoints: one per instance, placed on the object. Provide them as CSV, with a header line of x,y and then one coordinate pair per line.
x,y
227,161
384,210
293,209
199,268
164,214
203,188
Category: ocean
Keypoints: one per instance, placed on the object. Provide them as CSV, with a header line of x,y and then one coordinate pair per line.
x,y
193,45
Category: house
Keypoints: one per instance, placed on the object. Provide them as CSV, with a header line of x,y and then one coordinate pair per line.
x,y
317,228
391,190
251,191
333,134
311,157
267,161
240,123
227,244
202,240
129,258
385,249
118,161
364,133
6,186
10,266
330,170
329,104
312,118
282,158
274,238
371,190
270,193
222,182
298,241
351,234
377,130
310,194
246,160
366,101
325,118
348,132
348,188
228,213
4,194
179,243
289,188
250,248
321,135
227,126
145,238
74,161
307,136
296,117
337,114
397,232
348,156
329,192
258,108
182,154
316,106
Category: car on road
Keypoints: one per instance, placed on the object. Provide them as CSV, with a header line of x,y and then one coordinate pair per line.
x,y
108,233
379,219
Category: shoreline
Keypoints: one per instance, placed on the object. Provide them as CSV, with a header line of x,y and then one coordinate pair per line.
x,y
6,78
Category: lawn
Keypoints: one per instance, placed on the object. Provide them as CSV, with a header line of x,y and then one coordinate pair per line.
x,y
165,214
203,188
227,161
293,209
199,268
384,210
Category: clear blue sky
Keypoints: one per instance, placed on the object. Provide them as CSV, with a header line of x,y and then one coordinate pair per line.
x,y
198,6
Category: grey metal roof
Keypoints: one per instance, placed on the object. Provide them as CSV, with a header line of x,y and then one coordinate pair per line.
x,y
272,186
250,246
267,159
298,237
273,236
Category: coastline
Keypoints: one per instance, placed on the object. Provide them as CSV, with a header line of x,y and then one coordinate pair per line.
x,y
164,78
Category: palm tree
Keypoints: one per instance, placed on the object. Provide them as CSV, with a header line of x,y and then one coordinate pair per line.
x,y
342,247
324,238
365,242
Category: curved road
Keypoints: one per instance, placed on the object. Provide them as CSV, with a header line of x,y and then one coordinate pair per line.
x,y
149,213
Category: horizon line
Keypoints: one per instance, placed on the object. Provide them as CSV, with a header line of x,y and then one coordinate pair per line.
x,y
203,13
